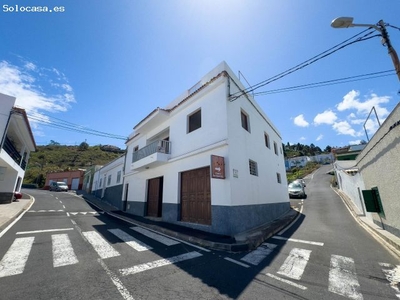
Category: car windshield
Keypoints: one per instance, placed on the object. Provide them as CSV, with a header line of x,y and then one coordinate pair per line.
x,y
295,185
61,183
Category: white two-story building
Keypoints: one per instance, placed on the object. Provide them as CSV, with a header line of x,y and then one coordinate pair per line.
x,y
16,143
210,160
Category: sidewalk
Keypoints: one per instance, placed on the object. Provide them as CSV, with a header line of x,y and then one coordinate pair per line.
x,y
244,241
9,212
391,241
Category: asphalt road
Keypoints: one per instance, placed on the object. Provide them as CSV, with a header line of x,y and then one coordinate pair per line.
x,y
63,248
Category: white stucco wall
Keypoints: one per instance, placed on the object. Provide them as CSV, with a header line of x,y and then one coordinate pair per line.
x,y
220,134
112,169
243,145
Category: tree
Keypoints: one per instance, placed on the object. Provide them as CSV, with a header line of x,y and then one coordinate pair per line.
x,y
83,146
53,143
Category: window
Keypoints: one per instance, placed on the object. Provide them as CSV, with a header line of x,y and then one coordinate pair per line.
x,y
194,121
278,178
276,148
101,182
136,149
245,120
118,176
266,136
253,167
109,180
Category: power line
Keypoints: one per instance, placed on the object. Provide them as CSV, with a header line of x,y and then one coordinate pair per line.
x,y
306,63
328,82
65,125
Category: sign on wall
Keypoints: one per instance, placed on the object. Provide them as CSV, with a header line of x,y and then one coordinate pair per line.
x,y
217,167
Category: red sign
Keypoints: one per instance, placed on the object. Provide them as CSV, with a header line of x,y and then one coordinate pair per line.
x,y
217,167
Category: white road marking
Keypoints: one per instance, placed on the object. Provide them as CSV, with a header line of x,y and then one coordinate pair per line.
x,y
130,240
343,279
14,260
159,263
17,219
392,274
42,231
287,281
297,241
236,262
63,253
294,221
102,247
159,238
64,207
44,210
74,213
256,256
128,221
83,213
121,288
73,222
67,214
295,263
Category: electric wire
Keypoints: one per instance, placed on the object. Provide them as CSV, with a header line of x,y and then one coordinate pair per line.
x,y
65,125
308,62
328,82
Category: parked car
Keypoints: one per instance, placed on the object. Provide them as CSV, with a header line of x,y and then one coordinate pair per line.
x,y
296,190
58,186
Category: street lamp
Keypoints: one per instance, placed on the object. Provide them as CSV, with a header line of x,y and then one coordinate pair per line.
x,y
346,22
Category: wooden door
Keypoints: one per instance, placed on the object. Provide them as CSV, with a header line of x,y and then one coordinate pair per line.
x,y
196,196
154,197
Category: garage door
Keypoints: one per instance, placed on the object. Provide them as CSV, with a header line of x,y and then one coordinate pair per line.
x,y
196,196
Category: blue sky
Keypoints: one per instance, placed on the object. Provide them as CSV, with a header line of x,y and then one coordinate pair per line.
x,y
105,65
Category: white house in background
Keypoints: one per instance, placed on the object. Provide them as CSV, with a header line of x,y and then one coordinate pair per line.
x,y
210,160
15,146
299,161
108,182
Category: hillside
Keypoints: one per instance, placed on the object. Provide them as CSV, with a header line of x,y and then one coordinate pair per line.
x,y
55,158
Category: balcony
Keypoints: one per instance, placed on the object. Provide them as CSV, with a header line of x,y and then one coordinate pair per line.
x,y
13,152
154,154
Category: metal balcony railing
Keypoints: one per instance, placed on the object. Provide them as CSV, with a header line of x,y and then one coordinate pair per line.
x,y
157,146
10,149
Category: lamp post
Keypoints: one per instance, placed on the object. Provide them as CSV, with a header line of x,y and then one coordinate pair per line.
x,y
346,22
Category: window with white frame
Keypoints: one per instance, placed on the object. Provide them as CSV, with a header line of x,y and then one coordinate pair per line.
x,y
245,120
194,121
118,176
109,180
253,167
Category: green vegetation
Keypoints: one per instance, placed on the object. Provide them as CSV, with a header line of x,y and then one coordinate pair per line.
x,y
57,158
296,173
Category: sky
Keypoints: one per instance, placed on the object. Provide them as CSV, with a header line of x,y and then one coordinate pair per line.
x,y
94,69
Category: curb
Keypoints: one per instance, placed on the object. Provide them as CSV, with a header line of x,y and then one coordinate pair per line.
x,y
389,242
252,241
17,214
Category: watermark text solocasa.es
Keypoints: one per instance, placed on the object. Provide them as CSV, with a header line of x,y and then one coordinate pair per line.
x,y
31,9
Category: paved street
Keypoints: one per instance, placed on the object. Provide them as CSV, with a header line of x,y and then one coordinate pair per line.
x,y
64,248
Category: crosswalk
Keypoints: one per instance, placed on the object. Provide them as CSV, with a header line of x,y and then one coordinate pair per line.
x,y
63,253
342,277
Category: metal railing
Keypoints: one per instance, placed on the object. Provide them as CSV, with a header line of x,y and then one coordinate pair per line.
x,y
157,146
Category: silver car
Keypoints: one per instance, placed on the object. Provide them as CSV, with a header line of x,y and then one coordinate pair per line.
x,y
58,186
296,190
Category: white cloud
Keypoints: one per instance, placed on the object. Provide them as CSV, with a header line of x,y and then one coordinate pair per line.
x,y
351,101
34,90
356,142
320,137
327,117
27,85
302,138
300,121
344,128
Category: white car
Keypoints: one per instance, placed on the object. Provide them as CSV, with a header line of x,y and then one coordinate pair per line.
x,y
58,186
